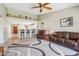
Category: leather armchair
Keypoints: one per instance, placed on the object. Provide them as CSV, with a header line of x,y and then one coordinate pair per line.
x,y
41,34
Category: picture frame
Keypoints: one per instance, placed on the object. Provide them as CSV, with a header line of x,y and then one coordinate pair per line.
x,y
66,22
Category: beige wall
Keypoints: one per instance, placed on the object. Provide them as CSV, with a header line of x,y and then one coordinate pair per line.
x,y
3,22
2,10
17,12
52,20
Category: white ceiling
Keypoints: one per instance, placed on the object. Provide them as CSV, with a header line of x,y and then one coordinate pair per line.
x,y
26,7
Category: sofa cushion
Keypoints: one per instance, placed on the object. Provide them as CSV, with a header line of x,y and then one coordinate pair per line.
x,y
74,36
60,40
62,35
70,42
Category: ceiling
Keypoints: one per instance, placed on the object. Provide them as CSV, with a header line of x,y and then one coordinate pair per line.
x,y
26,7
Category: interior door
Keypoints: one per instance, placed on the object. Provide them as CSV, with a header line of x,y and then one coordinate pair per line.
x,y
15,29
15,39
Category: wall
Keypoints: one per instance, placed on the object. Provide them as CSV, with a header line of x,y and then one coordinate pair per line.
x,y
3,26
1,31
2,10
52,20
17,12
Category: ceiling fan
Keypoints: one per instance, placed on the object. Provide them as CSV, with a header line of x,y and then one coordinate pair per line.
x,y
42,6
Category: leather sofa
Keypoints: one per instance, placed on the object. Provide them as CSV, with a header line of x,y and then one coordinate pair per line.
x,y
68,39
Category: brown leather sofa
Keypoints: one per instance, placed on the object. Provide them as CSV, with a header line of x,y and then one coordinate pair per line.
x,y
41,34
68,39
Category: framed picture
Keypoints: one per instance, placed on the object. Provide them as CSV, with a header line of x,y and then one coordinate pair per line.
x,y
66,22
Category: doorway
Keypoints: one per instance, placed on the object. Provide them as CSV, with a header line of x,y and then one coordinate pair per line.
x,y
14,30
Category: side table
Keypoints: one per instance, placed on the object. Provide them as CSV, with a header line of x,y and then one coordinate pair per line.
x,y
47,37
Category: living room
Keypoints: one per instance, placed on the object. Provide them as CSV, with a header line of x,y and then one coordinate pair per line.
x,y
58,19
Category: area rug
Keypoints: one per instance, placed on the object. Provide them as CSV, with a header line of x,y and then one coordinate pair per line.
x,y
23,50
53,49
40,48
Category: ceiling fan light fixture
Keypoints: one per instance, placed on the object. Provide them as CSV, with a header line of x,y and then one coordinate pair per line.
x,y
42,6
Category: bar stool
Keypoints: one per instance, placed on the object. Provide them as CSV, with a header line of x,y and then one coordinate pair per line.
x,y
22,33
28,33
33,32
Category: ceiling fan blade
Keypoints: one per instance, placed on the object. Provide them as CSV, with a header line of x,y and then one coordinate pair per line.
x,y
35,7
40,10
45,4
40,5
49,8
